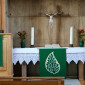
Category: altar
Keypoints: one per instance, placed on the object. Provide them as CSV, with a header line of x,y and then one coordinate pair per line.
x,y
76,54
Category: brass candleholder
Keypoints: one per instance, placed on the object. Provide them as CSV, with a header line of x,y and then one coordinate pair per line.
x,y
70,45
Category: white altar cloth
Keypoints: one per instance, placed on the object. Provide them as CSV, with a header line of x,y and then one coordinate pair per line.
x,y
32,54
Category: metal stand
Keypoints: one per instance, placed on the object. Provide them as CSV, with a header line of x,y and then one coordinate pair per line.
x,y
31,46
70,45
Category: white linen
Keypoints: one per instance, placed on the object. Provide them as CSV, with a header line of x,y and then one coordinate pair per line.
x,y
75,57
25,50
32,54
25,57
75,50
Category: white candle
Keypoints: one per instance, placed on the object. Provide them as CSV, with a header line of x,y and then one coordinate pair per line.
x,y
71,35
32,36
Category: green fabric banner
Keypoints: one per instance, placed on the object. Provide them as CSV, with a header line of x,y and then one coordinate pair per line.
x,y
52,62
1,51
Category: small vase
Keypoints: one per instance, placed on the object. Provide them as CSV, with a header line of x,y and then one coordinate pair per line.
x,y
81,43
22,44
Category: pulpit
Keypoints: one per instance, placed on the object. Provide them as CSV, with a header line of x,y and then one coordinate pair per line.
x,y
6,70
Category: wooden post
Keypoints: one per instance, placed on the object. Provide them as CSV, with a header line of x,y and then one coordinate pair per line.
x,y
24,70
3,20
59,82
81,71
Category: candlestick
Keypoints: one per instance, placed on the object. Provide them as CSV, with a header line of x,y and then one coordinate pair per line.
x,y
71,35
32,36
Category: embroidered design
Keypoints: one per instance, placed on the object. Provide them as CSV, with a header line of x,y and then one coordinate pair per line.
x,y
52,65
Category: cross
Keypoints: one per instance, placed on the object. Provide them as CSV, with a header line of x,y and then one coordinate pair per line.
x,y
51,17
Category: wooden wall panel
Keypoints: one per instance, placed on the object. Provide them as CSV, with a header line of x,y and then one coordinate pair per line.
x,y
82,22
17,24
43,33
7,69
37,8
73,7
81,7
25,7
24,14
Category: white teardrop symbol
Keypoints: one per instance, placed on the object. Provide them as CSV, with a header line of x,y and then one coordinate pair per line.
x,y
52,64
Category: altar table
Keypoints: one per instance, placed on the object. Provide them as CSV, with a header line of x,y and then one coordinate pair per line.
x,y
32,54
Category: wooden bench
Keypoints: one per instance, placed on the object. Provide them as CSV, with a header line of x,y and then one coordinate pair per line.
x,y
31,81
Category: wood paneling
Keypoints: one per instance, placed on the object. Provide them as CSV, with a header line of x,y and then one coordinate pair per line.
x,y
81,8
7,69
43,33
81,71
24,14
71,71
73,7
